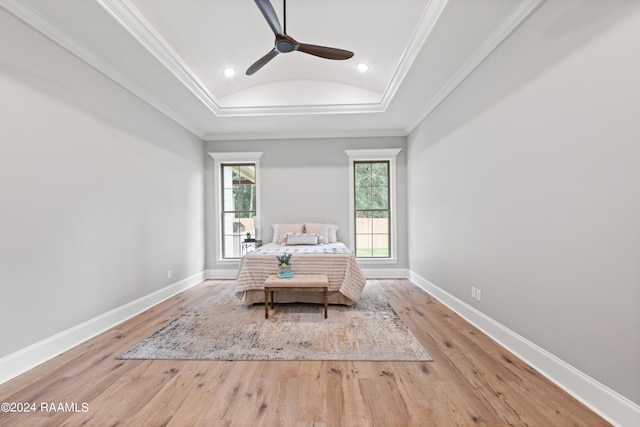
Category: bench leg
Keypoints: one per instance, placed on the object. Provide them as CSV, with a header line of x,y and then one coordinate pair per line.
x,y
326,303
266,303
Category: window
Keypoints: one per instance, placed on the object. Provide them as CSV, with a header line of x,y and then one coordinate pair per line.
x,y
238,206
237,201
372,204
372,212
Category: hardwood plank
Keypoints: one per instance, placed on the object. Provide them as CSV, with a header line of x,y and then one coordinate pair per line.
x,y
471,381
343,396
202,404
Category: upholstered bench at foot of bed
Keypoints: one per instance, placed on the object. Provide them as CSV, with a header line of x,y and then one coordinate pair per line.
x,y
299,283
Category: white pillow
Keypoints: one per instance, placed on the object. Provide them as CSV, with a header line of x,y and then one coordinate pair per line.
x,y
322,230
288,228
332,233
276,233
302,239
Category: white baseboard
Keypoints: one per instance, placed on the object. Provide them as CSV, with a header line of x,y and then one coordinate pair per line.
x,y
221,274
385,273
21,361
615,408
612,406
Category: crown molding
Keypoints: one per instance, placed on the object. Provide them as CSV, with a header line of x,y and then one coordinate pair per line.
x,y
305,135
130,18
426,24
299,110
125,13
22,11
513,21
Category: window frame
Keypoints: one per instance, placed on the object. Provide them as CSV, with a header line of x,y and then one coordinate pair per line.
x,y
386,210
374,155
223,212
230,158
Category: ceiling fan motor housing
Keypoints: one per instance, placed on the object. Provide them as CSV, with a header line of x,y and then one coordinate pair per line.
x,y
284,46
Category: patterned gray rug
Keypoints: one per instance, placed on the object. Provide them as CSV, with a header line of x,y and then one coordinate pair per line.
x,y
221,328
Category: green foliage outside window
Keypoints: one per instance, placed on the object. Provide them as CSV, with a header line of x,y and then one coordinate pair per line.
x,y
372,209
238,205
242,187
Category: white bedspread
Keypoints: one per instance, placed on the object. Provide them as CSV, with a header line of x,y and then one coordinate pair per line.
x,y
333,259
329,248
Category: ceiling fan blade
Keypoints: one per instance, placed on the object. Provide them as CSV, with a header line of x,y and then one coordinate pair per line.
x,y
324,52
270,15
262,62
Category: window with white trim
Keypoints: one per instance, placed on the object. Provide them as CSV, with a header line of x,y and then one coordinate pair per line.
x,y
372,196
236,201
372,209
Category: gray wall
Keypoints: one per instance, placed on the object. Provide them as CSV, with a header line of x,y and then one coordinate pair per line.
x,y
307,181
525,183
100,195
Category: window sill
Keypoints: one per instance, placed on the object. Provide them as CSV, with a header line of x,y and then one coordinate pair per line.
x,y
368,261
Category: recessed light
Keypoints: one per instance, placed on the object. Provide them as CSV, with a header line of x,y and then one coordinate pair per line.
x,y
362,67
229,71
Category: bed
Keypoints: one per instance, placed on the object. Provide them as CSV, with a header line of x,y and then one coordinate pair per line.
x,y
346,280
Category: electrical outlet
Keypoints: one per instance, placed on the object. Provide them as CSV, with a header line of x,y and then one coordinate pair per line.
x,y
169,274
473,292
478,294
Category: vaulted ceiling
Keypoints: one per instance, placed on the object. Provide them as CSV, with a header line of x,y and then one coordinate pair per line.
x,y
173,54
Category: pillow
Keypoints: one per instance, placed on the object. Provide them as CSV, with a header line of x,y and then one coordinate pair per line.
x,y
287,228
322,230
332,231
302,239
276,233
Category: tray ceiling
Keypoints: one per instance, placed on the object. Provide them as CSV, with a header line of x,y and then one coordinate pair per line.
x,y
173,55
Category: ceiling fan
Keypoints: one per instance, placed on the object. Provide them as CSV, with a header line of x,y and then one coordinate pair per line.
x,y
285,43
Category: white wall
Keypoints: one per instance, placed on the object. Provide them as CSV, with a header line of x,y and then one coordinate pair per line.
x,y
308,181
100,195
525,183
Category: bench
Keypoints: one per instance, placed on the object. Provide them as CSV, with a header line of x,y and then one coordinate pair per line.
x,y
299,282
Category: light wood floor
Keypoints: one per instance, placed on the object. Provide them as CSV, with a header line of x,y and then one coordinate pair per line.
x,y
471,381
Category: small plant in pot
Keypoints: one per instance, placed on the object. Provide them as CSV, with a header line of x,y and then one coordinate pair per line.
x,y
284,266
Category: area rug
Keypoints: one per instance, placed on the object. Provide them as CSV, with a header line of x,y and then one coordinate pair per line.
x,y
222,328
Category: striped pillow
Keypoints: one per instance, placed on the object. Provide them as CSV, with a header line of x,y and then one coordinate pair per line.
x,y
302,239
322,230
